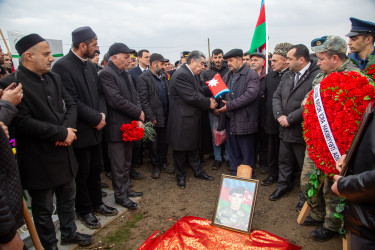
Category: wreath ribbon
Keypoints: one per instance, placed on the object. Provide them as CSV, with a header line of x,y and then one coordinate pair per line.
x,y
324,125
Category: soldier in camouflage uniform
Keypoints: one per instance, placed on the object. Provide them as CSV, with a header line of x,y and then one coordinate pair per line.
x,y
233,215
331,52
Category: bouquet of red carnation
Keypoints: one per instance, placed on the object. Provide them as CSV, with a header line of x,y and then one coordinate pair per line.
x,y
131,132
370,71
345,96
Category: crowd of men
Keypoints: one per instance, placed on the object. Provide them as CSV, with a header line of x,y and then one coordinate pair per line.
x,y
66,120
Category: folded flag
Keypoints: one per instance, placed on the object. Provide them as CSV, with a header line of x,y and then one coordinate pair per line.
x,y
217,86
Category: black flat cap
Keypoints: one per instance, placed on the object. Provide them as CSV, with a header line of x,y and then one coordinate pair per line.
x,y
27,42
82,34
117,48
260,55
157,57
233,53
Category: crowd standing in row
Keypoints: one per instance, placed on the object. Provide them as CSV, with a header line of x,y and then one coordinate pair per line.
x,y
67,120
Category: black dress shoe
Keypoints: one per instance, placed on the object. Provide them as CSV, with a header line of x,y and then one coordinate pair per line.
x,y
309,221
129,204
78,238
181,182
278,193
155,173
323,234
108,174
133,193
89,220
204,176
167,169
135,175
269,181
216,165
104,194
104,185
105,210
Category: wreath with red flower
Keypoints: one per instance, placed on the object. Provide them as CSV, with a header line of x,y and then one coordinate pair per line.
x,y
345,96
131,132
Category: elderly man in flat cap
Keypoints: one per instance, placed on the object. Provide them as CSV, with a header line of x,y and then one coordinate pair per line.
x,y
279,65
361,42
124,106
152,87
45,128
241,110
81,80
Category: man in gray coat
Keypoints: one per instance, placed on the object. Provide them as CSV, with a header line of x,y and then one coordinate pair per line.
x,y
186,101
123,107
287,110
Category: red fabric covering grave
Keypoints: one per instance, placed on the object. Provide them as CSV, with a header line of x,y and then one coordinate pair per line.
x,y
196,233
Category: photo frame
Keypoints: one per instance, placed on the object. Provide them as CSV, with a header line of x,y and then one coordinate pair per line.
x,y
235,203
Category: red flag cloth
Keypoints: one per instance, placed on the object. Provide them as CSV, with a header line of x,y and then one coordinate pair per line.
x,y
196,233
217,86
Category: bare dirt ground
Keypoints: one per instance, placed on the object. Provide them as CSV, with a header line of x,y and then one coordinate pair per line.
x,y
163,200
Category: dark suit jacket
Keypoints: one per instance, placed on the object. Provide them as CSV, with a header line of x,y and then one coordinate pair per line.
x,y
135,73
123,102
186,100
82,82
44,114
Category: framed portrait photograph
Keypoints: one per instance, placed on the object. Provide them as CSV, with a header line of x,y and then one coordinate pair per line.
x,y
235,204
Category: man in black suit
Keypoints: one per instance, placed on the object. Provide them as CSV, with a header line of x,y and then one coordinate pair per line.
x,y
186,101
45,129
81,80
143,57
124,106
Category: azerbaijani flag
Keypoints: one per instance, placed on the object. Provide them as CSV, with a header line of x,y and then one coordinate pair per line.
x,y
217,86
259,42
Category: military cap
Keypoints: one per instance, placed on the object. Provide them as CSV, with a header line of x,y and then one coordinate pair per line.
x,y
237,190
325,43
282,49
157,57
132,56
82,34
118,48
27,42
260,55
360,27
185,54
233,53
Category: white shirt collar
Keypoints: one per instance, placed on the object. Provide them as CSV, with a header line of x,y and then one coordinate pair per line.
x,y
83,60
141,68
302,71
189,69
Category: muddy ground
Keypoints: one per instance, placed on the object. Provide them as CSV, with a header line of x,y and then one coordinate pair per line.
x,y
163,200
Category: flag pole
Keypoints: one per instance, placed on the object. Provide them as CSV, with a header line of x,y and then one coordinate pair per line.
x,y
5,42
265,10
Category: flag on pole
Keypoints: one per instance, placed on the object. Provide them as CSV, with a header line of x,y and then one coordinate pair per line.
x,y
217,86
260,37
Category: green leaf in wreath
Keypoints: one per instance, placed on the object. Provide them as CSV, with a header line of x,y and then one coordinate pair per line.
x,y
310,193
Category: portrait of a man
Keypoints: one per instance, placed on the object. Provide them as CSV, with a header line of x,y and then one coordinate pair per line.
x,y
235,204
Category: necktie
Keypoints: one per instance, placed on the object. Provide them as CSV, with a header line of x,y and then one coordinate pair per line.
x,y
296,78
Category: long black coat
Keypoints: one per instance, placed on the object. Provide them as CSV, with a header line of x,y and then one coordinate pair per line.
x,y
135,73
44,114
122,99
149,93
272,80
186,100
82,83
287,101
359,186
242,102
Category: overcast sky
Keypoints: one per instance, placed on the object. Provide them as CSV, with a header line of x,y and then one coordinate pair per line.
x,y
171,26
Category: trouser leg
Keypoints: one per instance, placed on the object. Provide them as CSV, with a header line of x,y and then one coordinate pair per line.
x,y
179,163
287,165
83,201
273,155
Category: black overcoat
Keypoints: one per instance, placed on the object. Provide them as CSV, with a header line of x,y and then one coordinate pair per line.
x,y
122,99
186,101
287,101
82,83
44,114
